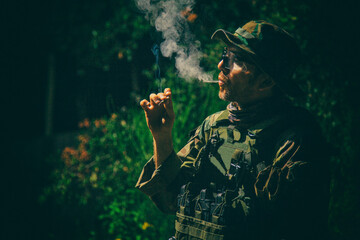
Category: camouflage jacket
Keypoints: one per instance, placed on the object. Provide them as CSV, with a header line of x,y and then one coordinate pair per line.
x,y
289,192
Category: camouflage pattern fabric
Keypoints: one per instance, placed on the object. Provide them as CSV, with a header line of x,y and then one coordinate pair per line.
x,y
285,199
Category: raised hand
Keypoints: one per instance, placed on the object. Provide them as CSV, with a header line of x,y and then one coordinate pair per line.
x,y
159,114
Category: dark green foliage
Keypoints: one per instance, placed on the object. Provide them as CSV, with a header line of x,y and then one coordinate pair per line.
x,y
100,173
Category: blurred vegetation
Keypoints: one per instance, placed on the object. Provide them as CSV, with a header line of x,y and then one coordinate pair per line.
x,y
95,179
99,174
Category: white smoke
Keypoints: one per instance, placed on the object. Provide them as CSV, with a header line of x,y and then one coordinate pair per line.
x,y
168,18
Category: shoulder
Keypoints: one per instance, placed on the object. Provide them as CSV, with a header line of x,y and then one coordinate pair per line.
x,y
301,132
301,117
296,130
210,122
295,120
290,121
216,119
300,123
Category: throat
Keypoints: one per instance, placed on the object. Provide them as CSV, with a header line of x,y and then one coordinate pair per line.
x,y
248,115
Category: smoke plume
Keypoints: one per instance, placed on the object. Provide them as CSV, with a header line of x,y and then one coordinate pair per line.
x,y
169,18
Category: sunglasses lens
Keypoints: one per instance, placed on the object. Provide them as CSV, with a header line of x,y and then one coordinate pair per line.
x,y
226,62
225,59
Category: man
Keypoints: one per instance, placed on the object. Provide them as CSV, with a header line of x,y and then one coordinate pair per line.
x,y
257,170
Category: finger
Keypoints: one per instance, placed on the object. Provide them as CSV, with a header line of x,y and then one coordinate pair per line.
x,y
162,96
167,90
168,95
169,109
168,105
145,104
154,99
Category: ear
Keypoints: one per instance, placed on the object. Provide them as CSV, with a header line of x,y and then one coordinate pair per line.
x,y
266,82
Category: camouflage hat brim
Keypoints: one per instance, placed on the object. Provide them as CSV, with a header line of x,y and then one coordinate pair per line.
x,y
233,42
237,44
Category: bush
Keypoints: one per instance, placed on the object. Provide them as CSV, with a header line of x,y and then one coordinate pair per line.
x,y
100,173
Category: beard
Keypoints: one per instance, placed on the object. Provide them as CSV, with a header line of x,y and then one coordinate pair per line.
x,y
226,93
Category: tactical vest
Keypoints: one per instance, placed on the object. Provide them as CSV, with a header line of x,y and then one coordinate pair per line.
x,y
217,202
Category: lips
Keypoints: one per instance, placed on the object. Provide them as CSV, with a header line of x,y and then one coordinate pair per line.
x,y
222,79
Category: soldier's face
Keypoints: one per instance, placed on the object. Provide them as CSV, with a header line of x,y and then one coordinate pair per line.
x,y
237,80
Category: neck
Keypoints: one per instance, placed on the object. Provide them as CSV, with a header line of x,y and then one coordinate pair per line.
x,y
244,106
249,114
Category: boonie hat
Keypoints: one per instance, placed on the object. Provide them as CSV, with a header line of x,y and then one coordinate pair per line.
x,y
270,47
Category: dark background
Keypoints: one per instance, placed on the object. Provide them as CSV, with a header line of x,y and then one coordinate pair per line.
x,y
32,32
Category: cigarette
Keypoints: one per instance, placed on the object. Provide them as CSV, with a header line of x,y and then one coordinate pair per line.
x,y
162,101
210,81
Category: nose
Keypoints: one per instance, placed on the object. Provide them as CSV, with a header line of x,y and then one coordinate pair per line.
x,y
220,64
221,67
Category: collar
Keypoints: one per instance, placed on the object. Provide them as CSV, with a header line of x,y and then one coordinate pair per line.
x,y
250,115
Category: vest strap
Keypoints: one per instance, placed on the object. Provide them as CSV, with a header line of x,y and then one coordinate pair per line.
x,y
197,228
230,134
